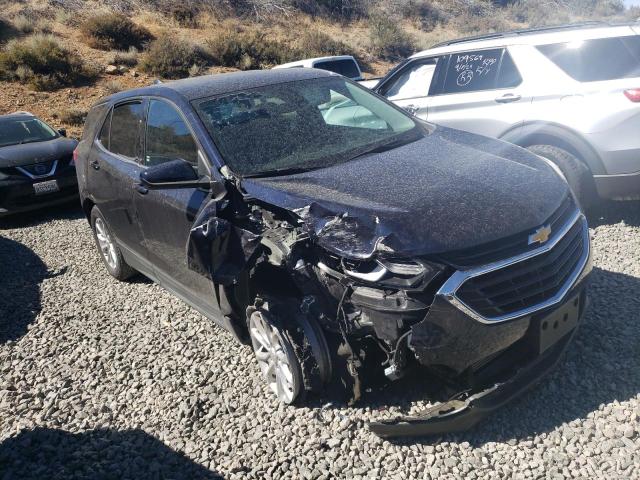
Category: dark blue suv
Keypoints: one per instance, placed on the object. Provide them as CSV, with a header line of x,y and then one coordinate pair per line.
x,y
340,236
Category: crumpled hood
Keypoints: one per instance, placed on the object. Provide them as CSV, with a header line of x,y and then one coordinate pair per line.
x,y
448,191
36,152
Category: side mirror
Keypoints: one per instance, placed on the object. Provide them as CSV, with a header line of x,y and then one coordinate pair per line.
x,y
173,174
63,132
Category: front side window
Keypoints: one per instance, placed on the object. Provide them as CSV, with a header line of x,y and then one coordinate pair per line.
x,y
14,131
598,59
168,136
412,82
302,125
125,129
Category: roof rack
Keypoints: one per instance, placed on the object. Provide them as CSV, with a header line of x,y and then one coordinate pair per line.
x,y
525,31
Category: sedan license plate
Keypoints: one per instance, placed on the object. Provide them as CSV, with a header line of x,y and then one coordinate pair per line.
x,y
558,324
42,188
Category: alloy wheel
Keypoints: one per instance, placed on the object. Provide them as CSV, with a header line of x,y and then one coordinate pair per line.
x,y
275,358
105,243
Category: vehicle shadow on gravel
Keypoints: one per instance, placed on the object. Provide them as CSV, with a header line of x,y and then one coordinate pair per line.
x,y
98,454
67,211
610,212
21,273
600,367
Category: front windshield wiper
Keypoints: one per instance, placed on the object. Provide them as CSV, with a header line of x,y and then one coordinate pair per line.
x,y
280,172
33,140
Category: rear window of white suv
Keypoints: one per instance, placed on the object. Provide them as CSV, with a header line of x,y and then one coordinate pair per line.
x,y
597,59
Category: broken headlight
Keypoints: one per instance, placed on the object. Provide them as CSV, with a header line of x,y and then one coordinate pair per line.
x,y
389,272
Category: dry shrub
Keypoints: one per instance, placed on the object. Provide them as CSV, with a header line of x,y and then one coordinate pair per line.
x,y
318,44
536,13
114,31
245,49
42,62
475,25
73,117
127,58
387,38
171,57
427,13
185,14
7,30
344,10
113,86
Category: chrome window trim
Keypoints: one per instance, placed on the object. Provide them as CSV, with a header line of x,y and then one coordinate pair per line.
x,y
36,177
451,286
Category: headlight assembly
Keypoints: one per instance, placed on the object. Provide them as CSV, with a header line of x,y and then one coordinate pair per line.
x,y
395,273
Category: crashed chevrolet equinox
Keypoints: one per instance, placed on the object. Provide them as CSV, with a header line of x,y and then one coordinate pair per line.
x,y
340,236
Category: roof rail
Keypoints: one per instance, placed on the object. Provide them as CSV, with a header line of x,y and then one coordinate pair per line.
x,y
525,31
21,112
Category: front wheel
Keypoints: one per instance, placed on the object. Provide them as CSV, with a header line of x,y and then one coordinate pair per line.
x,y
274,350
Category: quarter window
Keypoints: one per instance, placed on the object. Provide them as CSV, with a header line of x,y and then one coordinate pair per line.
x,y
598,59
168,136
105,131
125,129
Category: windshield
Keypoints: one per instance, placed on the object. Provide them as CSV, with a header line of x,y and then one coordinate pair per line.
x,y
302,125
14,131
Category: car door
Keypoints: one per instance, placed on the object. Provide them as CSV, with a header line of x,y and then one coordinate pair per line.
x,y
114,169
409,86
166,216
478,91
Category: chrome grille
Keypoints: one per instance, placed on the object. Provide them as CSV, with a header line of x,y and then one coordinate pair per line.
x,y
527,282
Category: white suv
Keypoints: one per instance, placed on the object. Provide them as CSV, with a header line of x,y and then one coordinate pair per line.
x,y
568,93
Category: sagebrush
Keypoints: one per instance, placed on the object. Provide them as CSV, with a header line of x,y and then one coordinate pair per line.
x,y
114,31
170,57
42,62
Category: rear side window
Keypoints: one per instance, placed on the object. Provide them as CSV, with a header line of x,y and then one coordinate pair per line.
x,y
125,129
478,70
168,136
346,67
598,59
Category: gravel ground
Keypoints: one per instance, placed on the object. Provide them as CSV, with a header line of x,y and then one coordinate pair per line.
x,y
100,379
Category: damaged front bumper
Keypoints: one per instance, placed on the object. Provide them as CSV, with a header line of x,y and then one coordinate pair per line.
x,y
465,410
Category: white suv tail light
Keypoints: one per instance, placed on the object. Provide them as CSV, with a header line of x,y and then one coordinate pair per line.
x,y
633,94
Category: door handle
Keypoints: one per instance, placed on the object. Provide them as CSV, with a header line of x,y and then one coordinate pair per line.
x,y
508,98
95,165
142,190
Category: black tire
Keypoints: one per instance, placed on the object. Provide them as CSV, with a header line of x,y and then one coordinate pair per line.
x,y
575,171
303,341
113,261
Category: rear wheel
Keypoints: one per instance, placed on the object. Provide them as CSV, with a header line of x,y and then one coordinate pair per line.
x,y
108,248
576,172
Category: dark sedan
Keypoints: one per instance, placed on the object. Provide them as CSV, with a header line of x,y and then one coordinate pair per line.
x,y
36,164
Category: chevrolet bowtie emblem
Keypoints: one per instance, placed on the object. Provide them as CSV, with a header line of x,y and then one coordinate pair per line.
x,y
541,235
